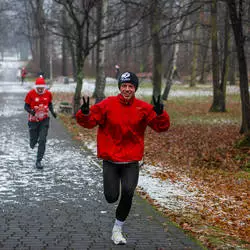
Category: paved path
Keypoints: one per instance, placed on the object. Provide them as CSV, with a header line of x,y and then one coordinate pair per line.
x,y
62,206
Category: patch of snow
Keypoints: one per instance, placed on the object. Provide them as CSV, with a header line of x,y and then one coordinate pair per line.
x,y
89,86
13,87
10,63
168,194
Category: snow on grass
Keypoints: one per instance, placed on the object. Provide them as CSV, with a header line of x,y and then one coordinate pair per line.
x,y
168,194
112,89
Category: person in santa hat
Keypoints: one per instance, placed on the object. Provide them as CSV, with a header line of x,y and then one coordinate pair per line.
x,y
38,103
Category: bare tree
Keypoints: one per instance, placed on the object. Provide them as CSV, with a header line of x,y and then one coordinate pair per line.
x,y
236,13
157,54
177,10
100,69
205,40
194,63
8,27
225,61
232,63
82,33
39,32
219,88
64,43
80,14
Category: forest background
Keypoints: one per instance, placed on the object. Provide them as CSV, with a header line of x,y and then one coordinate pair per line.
x,y
167,43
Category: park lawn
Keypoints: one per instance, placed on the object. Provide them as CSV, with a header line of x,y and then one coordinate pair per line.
x,y
199,147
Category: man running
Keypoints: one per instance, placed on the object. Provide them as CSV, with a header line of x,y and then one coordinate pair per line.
x,y
122,122
38,103
23,75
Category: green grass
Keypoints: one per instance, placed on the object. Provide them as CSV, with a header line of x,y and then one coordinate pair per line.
x,y
30,79
244,174
183,100
195,110
201,120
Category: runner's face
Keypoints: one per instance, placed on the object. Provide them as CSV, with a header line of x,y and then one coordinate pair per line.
x,y
127,90
40,90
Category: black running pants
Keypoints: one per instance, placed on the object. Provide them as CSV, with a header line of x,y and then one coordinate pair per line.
x,y
120,180
38,133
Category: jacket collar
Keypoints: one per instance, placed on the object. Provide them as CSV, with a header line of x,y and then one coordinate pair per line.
x,y
125,101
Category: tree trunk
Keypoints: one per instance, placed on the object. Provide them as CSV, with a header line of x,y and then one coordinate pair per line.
x,y
100,72
73,59
127,39
195,57
64,42
78,90
43,62
205,48
172,70
173,67
225,65
239,41
217,105
80,58
64,57
204,62
144,50
157,57
232,63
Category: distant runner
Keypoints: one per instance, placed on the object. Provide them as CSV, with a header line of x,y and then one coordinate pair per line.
x,y
117,71
122,122
19,74
38,103
23,75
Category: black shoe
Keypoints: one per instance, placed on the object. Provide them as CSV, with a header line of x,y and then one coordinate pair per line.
x,y
32,146
39,165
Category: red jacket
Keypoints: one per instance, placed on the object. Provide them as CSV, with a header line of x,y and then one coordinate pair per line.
x,y
23,72
40,103
122,126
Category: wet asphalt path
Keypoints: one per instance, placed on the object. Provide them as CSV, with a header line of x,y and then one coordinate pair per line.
x,y
62,206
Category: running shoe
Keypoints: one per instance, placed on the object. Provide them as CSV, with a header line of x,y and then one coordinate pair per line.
x,y
117,236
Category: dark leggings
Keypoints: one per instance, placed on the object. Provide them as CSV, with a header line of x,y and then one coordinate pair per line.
x,y
38,133
125,175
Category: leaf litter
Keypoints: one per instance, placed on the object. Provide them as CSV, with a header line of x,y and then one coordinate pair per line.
x,y
194,174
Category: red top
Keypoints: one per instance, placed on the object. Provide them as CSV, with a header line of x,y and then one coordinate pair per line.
x,y
23,72
122,126
40,103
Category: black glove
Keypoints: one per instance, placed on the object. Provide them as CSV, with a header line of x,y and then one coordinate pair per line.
x,y
28,109
85,106
51,109
54,114
32,112
158,106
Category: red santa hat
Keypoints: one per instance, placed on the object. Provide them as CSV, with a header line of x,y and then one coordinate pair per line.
x,y
40,83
